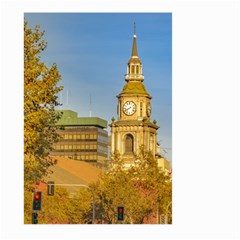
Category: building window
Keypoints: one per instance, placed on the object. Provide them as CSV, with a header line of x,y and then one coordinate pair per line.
x,y
129,143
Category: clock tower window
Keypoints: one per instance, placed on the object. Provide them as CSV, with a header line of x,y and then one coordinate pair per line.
x,y
129,143
137,69
132,69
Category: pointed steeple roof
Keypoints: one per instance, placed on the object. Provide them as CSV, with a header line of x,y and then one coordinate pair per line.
x,y
134,56
134,48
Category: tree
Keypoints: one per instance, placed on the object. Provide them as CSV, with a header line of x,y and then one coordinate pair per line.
x,y
81,207
142,189
40,100
154,184
55,209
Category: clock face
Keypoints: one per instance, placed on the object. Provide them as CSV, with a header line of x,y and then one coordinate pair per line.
x,y
149,110
129,108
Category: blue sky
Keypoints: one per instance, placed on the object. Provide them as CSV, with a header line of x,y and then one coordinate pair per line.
x,y
92,51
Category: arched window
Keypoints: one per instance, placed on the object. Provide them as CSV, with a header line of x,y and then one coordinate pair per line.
x,y
132,69
129,143
137,69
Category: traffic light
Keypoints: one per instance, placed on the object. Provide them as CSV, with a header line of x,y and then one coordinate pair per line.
x,y
34,218
37,201
50,189
120,213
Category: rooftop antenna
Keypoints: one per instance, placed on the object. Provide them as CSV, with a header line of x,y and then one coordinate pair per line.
x,y
90,105
67,104
61,100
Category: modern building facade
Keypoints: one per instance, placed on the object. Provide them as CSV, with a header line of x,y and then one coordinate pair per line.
x,y
133,127
82,138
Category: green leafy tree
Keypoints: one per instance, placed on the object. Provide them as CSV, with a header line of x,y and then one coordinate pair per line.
x,y
40,100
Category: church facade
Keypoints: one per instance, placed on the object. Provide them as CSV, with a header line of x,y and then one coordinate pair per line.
x,y
133,127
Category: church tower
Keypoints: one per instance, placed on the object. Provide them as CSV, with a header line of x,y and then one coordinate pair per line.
x,y
133,127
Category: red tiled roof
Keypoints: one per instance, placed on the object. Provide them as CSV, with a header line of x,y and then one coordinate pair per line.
x,y
68,171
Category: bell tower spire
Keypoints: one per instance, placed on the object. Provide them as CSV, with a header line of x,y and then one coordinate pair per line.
x,y
134,48
134,69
